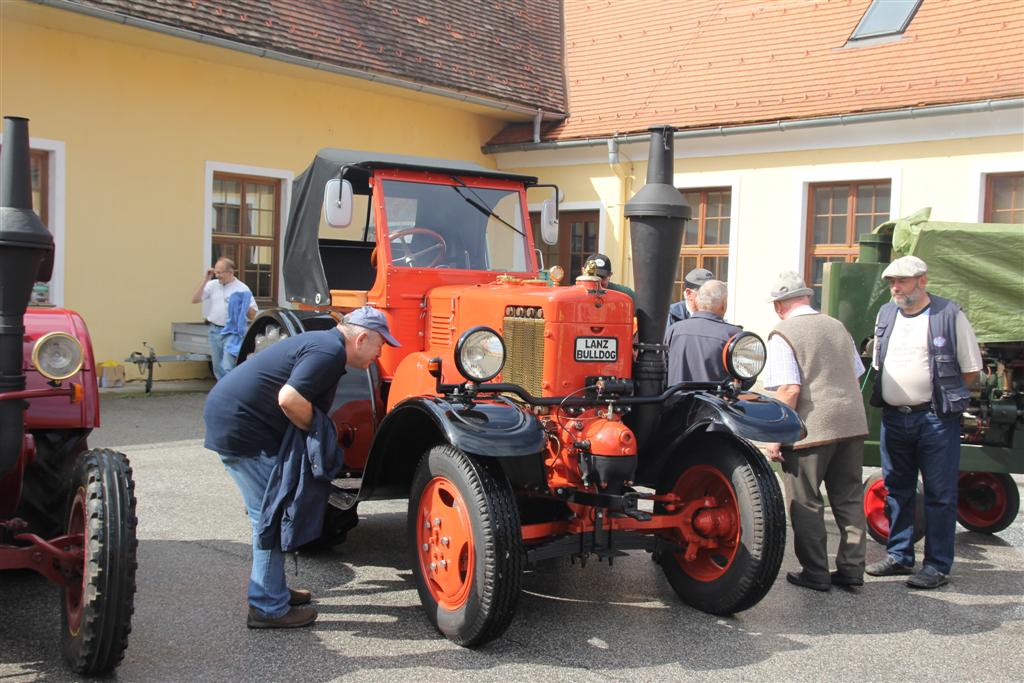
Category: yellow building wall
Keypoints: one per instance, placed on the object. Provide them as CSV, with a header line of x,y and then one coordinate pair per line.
x,y
769,216
141,114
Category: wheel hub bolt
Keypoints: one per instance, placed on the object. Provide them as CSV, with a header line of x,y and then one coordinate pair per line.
x,y
426,547
433,566
437,521
444,540
444,564
426,524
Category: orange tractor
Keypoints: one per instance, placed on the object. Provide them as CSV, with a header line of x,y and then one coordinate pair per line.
x,y
524,420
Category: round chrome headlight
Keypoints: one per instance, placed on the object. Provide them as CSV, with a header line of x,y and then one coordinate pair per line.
x,y
480,354
744,355
57,356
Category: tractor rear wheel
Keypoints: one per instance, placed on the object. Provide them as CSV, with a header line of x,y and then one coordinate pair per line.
x,y
467,545
98,604
987,502
876,509
743,525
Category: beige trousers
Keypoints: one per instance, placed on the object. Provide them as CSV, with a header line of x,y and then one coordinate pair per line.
x,y
839,466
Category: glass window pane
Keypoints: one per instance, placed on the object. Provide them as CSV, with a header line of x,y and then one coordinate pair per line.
x,y
690,231
1003,191
865,199
723,230
840,195
864,225
227,200
882,200
885,17
821,229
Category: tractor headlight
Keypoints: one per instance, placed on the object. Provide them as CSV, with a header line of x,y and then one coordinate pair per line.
x,y
480,354
744,355
57,356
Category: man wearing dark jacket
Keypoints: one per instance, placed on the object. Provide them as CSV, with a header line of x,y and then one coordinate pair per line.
x,y
247,415
695,344
683,309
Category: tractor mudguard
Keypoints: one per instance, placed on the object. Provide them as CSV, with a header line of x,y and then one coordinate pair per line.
x,y
288,321
501,431
755,418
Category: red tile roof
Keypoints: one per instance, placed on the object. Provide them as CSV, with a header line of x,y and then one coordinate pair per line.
x,y
507,50
702,63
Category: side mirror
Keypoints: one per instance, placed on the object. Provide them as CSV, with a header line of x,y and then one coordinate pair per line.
x,y
338,203
549,221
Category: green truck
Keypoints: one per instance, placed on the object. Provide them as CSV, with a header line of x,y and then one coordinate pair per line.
x,y
981,267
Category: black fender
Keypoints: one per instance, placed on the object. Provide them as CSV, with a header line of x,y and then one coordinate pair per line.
x,y
754,417
290,322
498,430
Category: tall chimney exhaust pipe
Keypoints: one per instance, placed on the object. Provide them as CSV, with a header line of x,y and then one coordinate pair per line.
x,y
656,216
26,256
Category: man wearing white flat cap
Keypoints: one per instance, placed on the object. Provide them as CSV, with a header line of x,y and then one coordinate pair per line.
x,y
927,356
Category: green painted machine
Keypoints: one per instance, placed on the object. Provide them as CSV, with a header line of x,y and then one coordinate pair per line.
x,y
980,266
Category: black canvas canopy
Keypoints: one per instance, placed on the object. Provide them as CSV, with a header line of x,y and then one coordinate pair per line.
x,y
304,278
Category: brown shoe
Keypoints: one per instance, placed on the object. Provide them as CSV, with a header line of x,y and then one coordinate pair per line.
x,y
299,596
293,618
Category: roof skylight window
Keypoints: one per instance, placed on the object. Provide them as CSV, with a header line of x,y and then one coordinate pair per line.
x,y
885,18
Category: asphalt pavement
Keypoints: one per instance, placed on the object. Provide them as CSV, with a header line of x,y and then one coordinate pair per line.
x,y
595,623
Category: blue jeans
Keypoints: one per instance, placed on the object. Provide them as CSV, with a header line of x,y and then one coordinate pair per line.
x,y
222,362
924,442
268,589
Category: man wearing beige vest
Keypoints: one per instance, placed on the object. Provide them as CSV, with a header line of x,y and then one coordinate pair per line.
x,y
813,366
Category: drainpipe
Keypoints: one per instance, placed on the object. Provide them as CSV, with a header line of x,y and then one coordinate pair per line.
x,y
624,172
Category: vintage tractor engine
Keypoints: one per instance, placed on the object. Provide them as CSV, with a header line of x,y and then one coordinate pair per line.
x,y
996,415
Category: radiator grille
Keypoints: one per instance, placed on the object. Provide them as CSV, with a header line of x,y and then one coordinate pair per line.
x,y
524,344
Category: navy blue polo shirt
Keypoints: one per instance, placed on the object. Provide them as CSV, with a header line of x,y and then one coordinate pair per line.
x,y
242,414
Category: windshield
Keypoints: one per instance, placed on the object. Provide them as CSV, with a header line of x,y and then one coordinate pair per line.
x,y
455,226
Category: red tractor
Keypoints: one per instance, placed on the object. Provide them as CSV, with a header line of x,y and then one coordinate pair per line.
x,y
66,511
523,421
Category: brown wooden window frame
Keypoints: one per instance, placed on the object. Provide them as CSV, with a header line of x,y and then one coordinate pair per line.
x,y
848,250
241,241
702,252
1016,203
563,249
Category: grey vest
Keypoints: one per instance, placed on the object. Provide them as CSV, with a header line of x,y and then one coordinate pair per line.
x,y
950,396
830,403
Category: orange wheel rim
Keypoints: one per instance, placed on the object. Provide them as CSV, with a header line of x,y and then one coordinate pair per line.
x,y
874,508
444,540
712,562
74,590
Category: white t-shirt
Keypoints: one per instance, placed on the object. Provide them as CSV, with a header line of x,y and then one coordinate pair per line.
x,y
215,299
907,375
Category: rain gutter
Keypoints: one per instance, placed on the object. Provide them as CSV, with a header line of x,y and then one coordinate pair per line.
x,y
350,72
779,126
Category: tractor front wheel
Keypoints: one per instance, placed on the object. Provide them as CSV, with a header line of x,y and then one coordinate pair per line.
x,y
98,604
739,523
876,509
987,502
467,553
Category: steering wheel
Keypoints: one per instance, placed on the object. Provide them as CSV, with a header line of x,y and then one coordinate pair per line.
x,y
402,253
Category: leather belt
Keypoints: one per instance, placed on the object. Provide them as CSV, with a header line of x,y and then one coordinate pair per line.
x,y
212,324
906,410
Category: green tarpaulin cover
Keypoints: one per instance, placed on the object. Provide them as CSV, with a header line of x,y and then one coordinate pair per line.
x,y
978,265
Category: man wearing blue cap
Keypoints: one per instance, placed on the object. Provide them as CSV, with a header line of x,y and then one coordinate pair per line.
x,y
247,415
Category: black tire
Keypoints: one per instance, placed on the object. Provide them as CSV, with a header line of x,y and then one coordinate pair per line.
x,y
876,510
744,571
987,502
97,611
485,547
44,493
337,524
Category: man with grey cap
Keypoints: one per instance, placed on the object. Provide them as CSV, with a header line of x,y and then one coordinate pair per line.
x,y
683,309
603,269
927,356
813,366
248,413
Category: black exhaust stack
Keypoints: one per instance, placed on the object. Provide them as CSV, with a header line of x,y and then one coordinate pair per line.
x,y
656,215
26,256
